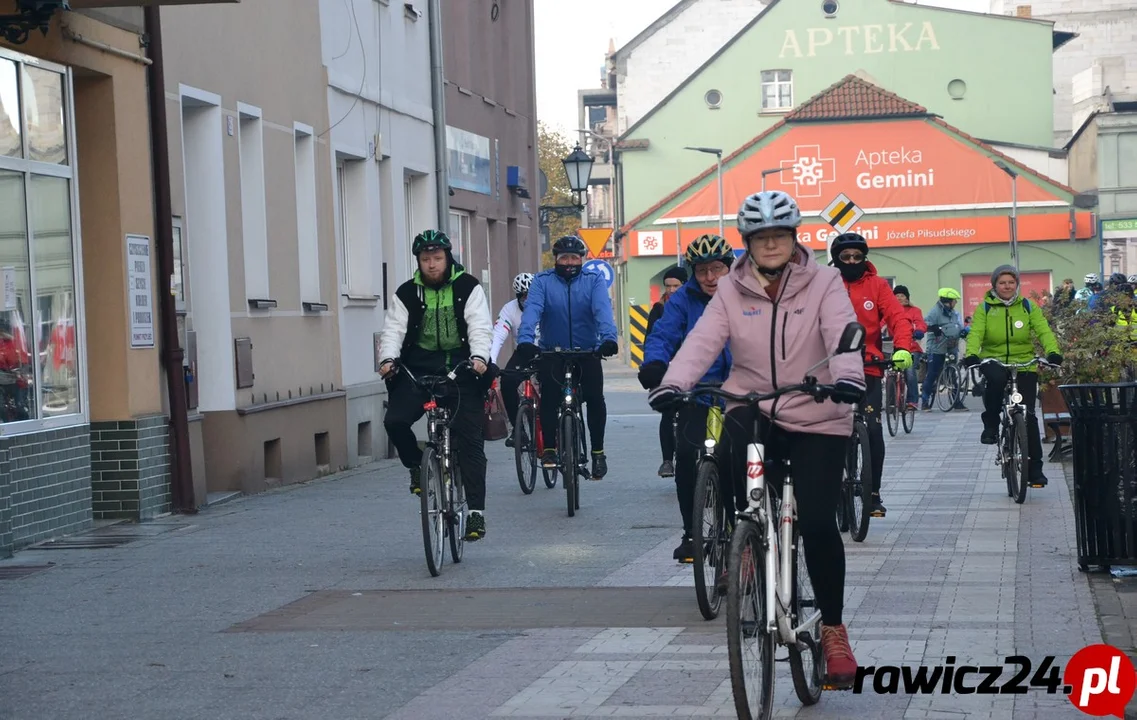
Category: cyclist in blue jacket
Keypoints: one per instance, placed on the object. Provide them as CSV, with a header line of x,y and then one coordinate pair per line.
x,y
710,257
573,309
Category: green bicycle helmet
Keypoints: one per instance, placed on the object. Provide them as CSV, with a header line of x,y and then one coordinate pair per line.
x,y
950,294
709,248
430,240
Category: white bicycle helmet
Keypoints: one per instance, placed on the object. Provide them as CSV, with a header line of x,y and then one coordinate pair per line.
x,y
1132,279
521,283
769,209
1091,278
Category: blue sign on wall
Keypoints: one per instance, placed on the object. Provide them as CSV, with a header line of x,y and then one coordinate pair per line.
x,y
603,268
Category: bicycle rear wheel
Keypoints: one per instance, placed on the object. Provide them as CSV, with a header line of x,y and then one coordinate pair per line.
x,y
567,446
892,404
458,513
858,469
707,533
525,446
908,413
433,502
1020,460
749,642
807,664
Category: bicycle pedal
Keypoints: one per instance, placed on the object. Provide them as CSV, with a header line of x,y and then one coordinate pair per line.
x,y
828,687
687,561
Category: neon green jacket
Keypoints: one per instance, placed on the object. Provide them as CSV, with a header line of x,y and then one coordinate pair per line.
x,y
1005,332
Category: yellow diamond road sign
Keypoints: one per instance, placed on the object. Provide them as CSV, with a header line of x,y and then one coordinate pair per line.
x,y
842,213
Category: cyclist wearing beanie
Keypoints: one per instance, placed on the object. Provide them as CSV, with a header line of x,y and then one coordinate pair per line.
x,y
919,327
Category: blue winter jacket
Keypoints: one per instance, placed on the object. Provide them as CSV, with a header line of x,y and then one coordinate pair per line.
x,y
680,313
573,316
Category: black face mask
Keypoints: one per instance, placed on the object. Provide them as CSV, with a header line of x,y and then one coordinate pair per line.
x,y
568,272
852,272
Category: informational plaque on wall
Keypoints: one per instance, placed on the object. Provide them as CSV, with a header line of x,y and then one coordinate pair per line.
x,y
8,280
140,299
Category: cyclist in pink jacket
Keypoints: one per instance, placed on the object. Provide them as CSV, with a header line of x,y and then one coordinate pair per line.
x,y
782,312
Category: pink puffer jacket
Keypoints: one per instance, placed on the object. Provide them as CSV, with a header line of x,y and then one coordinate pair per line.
x,y
774,344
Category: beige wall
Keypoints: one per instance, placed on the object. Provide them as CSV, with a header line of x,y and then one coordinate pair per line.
x,y
1084,159
114,188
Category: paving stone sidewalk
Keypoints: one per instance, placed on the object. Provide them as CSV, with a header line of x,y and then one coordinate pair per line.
x,y
313,601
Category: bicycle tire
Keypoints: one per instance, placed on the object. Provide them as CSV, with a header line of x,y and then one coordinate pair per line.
x,y
748,535
566,444
525,446
892,404
708,541
459,511
807,663
433,519
1006,467
1021,457
859,447
908,419
947,388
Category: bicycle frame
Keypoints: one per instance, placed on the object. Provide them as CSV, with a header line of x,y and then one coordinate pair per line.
x,y
529,392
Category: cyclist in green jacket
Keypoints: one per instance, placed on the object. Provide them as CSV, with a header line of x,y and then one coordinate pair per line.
x,y
1004,327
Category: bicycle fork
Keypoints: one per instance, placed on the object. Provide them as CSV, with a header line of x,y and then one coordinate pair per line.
x,y
779,545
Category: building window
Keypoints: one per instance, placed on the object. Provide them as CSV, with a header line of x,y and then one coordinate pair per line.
x,y
39,310
410,220
307,228
460,236
354,226
254,210
777,90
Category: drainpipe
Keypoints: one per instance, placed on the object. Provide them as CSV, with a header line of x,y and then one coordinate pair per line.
x,y
438,99
181,475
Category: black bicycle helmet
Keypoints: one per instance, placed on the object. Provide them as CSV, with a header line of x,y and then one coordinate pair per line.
x,y
848,241
430,240
570,245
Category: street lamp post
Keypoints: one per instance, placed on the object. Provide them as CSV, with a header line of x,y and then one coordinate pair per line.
x,y
772,171
578,169
1014,210
717,152
611,142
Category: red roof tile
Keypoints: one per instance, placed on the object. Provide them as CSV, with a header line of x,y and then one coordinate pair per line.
x,y
853,98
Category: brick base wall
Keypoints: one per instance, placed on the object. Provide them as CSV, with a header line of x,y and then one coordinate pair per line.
x,y
130,468
45,486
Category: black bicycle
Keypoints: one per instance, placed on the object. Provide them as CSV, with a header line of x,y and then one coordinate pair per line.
x,y
443,497
1013,451
572,446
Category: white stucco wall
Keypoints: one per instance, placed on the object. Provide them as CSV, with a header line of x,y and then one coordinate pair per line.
x,y
1039,161
379,109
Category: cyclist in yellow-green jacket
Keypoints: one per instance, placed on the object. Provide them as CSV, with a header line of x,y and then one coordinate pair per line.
x,y
1004,327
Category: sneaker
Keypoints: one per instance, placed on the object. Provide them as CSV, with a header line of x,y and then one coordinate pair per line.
x,y
416,481
599,465
1040,481
840,665
685,553
989,436
927,406
912,406
722,585
877,509
509,440
960,406
667,469
475,526
549,459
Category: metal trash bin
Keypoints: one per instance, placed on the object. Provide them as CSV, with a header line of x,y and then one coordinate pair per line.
x,y
1103,425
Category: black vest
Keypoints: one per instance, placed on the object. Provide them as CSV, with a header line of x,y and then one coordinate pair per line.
x,y
413,297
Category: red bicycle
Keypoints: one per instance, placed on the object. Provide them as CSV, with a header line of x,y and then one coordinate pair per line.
x,y
528,442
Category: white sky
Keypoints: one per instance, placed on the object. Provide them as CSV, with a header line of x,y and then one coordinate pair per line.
x,y
572,39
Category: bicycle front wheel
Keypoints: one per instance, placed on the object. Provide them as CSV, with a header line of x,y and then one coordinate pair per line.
x,y
567,447
707,533
948,394
858,473
749,642
892,404
525,447
1020,459
433,500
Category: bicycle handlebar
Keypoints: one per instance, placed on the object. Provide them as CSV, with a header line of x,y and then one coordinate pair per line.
x,y
430,383
810,387
1019,366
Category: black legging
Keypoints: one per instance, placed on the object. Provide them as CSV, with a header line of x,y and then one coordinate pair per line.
x,y
590,375
818,463
667,435
997,379
692,434
871,409
509,394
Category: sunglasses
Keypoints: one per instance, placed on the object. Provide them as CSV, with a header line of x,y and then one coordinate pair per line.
x,y
851,256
